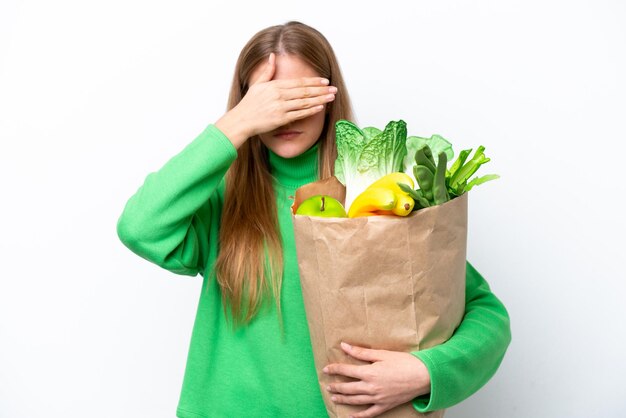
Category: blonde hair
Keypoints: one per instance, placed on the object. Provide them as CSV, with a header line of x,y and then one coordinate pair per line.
x,y
249,266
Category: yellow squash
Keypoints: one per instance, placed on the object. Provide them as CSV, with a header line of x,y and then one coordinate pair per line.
x,y
404,202
371,200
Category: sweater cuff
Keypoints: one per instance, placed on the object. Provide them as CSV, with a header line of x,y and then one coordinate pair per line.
x,y
428,402
213,133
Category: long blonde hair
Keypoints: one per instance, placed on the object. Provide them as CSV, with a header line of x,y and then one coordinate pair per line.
x,y
249,265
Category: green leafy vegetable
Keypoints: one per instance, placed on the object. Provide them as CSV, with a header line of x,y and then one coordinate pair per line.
x,y
458,179
350,142
370,132
424,158
480,180
459,162
440,191
364,156
437,184
436,145
425,178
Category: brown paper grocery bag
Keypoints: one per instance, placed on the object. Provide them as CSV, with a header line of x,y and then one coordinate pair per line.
x,y
384,282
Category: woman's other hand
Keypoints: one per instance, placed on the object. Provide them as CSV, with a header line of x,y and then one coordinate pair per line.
x,y
392,378
269,104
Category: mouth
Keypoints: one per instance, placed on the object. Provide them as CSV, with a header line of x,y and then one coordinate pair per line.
x,y
285,135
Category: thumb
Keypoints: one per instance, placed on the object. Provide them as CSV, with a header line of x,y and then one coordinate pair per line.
x,y
361,353
268,71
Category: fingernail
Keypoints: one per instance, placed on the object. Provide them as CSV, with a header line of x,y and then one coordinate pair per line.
x,y
332,89
346,346
328,388
325,81
325,369
333,398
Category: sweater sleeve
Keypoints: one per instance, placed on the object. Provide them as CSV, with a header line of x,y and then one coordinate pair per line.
x,y
166,221
464,363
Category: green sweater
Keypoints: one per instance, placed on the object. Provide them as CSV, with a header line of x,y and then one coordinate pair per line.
x,y
173,220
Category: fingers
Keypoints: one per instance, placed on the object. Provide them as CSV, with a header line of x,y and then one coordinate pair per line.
x,y
349,370
290,83
301,114
351,388
299,104
303,108
308,91
268,71
352,399
372,411
361,353
302,102
275,103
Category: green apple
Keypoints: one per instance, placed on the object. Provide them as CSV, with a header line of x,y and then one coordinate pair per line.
x,y
321,205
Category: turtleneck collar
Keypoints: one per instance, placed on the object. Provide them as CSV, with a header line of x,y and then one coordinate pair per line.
x,y
297,171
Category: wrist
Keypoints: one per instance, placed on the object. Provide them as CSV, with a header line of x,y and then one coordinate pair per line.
x,y
234,128
422,382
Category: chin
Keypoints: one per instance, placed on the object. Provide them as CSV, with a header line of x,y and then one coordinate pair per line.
x,y
288,151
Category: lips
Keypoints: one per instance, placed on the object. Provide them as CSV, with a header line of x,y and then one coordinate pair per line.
x,y
287,134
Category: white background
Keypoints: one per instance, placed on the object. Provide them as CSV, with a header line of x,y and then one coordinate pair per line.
x,y
95,95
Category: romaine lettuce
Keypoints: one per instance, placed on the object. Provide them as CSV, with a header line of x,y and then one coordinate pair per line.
x,y
364,156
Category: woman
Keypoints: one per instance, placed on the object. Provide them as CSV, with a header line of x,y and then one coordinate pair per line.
x,y
221,208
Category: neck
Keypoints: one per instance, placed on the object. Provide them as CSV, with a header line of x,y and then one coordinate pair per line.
x,y
297,171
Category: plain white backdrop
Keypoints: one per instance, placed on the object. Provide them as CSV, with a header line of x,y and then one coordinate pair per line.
x,y
94,95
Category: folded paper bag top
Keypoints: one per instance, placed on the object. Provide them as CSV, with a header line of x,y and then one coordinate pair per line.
x,y
392,283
